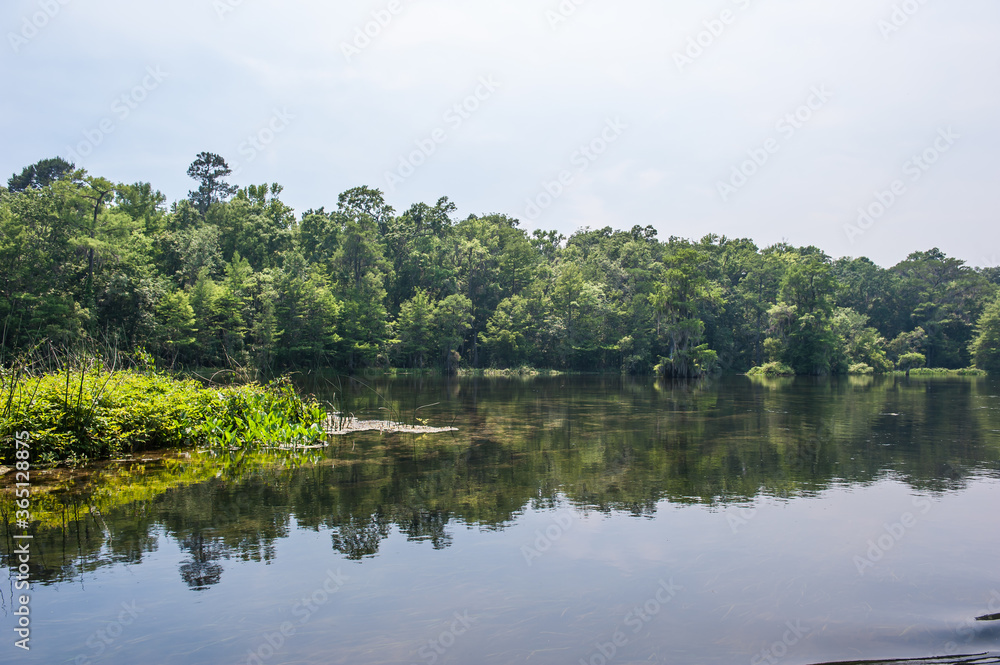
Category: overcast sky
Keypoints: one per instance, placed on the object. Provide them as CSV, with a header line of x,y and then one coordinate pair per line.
x,y
769,119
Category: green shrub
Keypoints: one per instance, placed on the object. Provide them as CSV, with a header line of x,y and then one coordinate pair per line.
x,y
774,368
861,368
95,414
942,371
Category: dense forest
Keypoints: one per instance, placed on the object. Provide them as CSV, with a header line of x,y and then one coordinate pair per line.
x,y
232,276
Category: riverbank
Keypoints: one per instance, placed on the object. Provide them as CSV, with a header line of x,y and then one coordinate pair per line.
x,y
85,413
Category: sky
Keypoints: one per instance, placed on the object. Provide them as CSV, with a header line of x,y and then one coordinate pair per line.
x,y
863,127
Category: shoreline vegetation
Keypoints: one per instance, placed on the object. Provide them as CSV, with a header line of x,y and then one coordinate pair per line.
x,y
779,369
85,409
232,278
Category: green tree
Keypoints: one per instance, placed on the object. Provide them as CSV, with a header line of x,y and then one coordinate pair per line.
x,y
860,344
452,321
419,246
909,361
142,203
683,299
507,332
317,237
39,275
802,334
209,169
944,297
359,268
308,315
204,297
985,346
256,224
40,174
176,325
906,342
415,329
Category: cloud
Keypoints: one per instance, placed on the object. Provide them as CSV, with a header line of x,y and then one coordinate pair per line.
x,y
752,63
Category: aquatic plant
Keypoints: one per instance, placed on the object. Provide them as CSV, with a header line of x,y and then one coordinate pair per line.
x,y
86,412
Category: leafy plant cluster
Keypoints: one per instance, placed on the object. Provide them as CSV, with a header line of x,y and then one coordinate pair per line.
x,y
232,276
80,413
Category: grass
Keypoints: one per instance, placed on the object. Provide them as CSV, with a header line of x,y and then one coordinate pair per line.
x,y
85,411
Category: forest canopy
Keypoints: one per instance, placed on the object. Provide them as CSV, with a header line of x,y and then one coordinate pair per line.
x,y
232,275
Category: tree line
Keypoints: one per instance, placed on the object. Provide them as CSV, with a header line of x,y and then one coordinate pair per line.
x,y
232,276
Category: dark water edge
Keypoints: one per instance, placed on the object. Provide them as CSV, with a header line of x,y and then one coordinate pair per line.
x,y
823,519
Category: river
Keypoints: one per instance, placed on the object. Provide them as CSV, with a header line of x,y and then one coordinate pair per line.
x,y
569,520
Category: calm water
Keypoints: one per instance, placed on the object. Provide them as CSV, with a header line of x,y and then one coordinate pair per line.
x,y
569,520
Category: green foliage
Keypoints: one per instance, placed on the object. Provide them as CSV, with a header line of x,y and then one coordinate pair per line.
x,y
861,345
943,371
40,174
685,297
415,329
945,298
801,322
76,414
209,169
985,346
773,368
909,361
233,278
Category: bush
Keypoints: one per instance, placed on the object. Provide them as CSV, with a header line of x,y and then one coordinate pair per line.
x,y
774,368
942,371
95,414
911,361
861,368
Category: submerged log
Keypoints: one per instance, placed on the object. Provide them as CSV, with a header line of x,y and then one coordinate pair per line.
x,y
966,659
351,425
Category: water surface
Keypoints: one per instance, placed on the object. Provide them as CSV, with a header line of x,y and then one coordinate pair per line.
x,y
593,519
